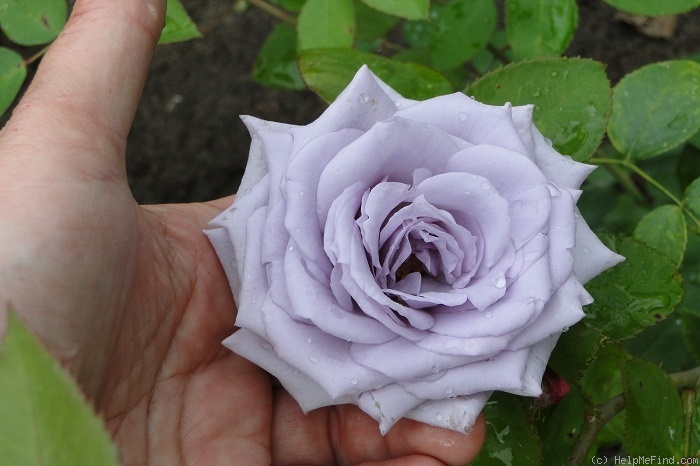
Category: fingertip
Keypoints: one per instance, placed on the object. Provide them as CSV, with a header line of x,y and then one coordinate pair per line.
x,y
450,447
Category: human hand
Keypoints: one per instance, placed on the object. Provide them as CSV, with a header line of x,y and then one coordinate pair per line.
x,y
132,300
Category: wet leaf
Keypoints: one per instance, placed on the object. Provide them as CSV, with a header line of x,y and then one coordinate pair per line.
x,y
655,108
664,229
654,414
571,98
540,28
634,294
326,24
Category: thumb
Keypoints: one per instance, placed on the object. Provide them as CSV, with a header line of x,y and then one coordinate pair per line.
x,y
89,83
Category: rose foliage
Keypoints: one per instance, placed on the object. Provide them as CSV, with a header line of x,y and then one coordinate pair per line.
x,y
410,257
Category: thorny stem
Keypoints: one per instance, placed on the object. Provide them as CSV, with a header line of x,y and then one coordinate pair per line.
x,y
607,411
644,175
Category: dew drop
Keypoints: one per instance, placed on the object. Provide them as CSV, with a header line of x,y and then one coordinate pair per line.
x,y
247,191
301,193
364,98
267,347
565,329
462,116
500,282
448,391
553,74
435,369
309,340
439,417
353,381
313,359
488,315
290,248
486,185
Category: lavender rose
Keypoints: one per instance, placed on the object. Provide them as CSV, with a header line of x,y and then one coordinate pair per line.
x,y
408,257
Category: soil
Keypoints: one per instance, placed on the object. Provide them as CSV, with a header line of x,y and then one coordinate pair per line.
x,y
188,143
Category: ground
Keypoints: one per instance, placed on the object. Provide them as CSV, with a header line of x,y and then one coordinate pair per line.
x,y
188,143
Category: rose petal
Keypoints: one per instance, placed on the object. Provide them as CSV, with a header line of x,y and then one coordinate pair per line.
x,y
390,150
322,357
458,413
468,119
562,170
591,257
562,235
388,404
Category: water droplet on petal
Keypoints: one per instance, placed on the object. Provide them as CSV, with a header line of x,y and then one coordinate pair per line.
x,y
448,391
488,315
462,116
309,340
313,359
435,369
439,417
565,329
301,193
290,248
486,185
364,98
500,282
247,191
353,381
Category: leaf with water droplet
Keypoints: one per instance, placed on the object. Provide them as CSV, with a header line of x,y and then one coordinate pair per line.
x,y
540,28
664,229
634,294
651,431
510,437
655,108
574,117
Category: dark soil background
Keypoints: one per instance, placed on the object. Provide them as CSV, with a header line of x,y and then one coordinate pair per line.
x,y
188,144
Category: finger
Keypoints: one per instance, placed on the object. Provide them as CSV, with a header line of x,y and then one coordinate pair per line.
x,y
88,85
345,435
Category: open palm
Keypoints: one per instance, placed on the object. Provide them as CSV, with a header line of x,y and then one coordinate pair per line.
x,y
132,300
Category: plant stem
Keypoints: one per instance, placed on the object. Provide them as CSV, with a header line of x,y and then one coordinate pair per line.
x,y
605,412
274,11
36,56
644,175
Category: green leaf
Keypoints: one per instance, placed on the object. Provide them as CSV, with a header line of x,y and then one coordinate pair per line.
x,y
654,7
655,108
510,439
32,22
654,414
691,197
540,28
601,382
562,430
690,321
328,71
571,97
43,417
372,24
662,345
460,30
574,351
409,9
179,26
637,293
12,74
326,24
276,63
664,230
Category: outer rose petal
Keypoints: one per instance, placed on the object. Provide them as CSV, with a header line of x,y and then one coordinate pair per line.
x,y
407,257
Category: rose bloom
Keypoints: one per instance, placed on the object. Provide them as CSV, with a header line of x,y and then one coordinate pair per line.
x,y
408,257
